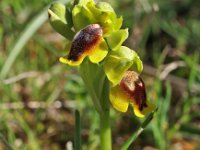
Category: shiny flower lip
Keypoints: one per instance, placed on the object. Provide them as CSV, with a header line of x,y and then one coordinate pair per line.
x,y
86,42
131,91
134,88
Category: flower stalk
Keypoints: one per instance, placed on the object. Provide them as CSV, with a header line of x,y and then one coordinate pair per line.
x,y
98,87
105,126
110,71
105,131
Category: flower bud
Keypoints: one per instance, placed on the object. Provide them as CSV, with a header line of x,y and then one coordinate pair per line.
x,y
87,12
57,17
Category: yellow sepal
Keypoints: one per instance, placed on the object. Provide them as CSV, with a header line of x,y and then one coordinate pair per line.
x,y
118,99
99,52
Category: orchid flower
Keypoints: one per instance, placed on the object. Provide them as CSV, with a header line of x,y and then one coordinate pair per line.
x,y
111,72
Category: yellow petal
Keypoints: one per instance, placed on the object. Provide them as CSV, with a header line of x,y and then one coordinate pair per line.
x,y
87,42
95,54
99,52
70,62
118,99
150,107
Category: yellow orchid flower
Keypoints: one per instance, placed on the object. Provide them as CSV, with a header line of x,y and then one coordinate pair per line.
x,y
95,39
99,37
87,42
131,91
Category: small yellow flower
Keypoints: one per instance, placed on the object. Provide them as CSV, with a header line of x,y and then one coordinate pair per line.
x,y
87,42
131,90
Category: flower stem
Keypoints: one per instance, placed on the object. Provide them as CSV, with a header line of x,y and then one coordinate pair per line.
x,y
98,87
105,131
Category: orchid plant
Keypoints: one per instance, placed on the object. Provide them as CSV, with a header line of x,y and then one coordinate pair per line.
x,y
110,71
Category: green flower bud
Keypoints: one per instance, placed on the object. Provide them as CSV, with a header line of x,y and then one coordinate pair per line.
x,y
82,15
119,61
109,20
87,12
57,17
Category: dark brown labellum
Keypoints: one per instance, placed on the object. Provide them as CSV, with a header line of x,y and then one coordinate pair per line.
x,y
134,88
84,41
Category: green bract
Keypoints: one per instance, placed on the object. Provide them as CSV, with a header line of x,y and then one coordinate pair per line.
x,y
119,61
87,12
59,18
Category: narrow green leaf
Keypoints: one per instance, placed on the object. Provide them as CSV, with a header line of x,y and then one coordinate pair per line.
x,y
23,38
7,145
89,73
58,14
134,136
32,27
187,128
77,139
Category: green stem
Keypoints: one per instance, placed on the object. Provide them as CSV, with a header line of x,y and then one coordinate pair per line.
x,y
98,87
105,131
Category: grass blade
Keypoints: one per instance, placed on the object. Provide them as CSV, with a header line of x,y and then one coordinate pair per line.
x,y
2,138
77,139
19,44
32,27
138,131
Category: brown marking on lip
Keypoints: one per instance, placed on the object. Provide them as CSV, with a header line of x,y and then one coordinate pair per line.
x,y
134,88
84,41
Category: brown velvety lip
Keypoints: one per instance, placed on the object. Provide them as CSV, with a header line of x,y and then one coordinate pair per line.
x,y
134,87
85,40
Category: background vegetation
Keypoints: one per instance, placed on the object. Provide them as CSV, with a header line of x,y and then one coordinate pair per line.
x,y
38,95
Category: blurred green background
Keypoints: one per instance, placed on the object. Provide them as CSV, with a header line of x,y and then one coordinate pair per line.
x,y
38,95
